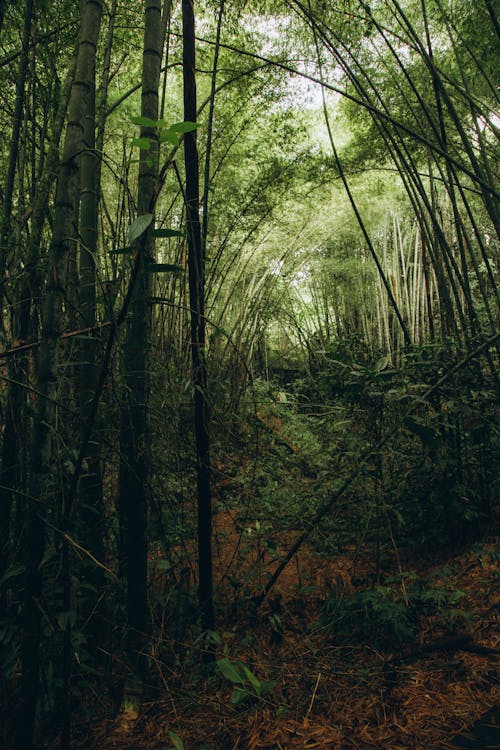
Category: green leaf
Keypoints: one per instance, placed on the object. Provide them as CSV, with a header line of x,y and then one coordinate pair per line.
x,y
166,233
139,226
169,137
122,251
178,743
229,671
184,127
146,122
381,364
144,143
163,268
252,679
239,696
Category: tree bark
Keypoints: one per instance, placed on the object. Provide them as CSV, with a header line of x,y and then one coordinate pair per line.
x,y
43,483
196,265
134,430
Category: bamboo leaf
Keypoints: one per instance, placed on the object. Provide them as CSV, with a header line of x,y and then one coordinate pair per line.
x,y
146,122
139,226
166,233
184,127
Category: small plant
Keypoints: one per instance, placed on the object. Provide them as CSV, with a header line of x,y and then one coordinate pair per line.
x,y
250,688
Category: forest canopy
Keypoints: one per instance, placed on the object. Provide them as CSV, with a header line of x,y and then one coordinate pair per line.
x,y
249,293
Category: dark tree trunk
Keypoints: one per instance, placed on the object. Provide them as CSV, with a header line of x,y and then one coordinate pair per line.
x,y
43,481
196,263
90,496
17,119
135,433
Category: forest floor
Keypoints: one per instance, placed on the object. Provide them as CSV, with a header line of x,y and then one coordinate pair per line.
x,y
313,686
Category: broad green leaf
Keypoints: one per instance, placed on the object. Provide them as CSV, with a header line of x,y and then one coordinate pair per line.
x,y
184,127
178,743
238,697
146,122
166,233
144,143
169,137
381,364
163,268
139,226
121,251
229,671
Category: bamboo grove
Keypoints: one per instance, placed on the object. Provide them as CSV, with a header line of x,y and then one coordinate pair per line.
x,y
198,199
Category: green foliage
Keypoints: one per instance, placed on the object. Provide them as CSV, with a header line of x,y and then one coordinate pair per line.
x,y
389,614
251,688
167,133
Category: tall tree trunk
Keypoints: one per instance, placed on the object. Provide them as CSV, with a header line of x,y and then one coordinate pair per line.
x,y
43,482
196,263
90,495
135,433
17,119
12,436
15,443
